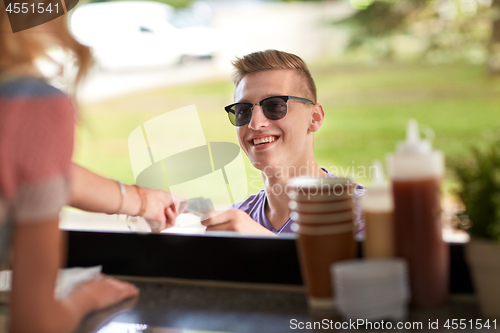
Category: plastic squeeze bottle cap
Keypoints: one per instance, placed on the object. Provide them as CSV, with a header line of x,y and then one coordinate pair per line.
x,y
413,144
378,195
414,158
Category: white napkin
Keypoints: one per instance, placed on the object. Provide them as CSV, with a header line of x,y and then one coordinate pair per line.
x,y
67,280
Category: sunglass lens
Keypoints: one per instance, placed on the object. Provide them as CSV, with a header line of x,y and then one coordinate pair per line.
x,y
231,118
242,114
274,108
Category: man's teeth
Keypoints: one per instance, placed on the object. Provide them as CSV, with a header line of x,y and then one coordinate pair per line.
x,y
267,139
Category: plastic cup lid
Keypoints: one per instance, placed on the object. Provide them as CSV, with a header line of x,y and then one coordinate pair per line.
x,y
376,294
368,269
319,189
362,281
318,182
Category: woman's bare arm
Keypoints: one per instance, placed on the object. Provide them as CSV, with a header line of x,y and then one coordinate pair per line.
x,y
94,193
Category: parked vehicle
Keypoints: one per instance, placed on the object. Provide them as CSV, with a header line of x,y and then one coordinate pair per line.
x,y
138,34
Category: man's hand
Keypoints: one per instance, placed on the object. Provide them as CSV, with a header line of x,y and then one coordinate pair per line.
x,y
234,220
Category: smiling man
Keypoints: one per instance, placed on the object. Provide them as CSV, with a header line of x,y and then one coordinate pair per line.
x,y
276,115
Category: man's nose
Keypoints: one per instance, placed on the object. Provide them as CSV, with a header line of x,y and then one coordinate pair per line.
x,y
258,119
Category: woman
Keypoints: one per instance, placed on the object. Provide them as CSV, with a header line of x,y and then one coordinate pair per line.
x,y
37,178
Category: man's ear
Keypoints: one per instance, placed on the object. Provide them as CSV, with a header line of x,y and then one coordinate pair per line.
x,y
317,117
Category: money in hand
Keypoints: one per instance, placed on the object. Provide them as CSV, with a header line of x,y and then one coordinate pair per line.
x,y
199,206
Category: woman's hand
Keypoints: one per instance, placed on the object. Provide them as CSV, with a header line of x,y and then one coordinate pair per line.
x,y
33,308
162,209
95,193
100,293
234,220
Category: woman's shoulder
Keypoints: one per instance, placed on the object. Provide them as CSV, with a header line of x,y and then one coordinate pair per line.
x,y
26,97
26,87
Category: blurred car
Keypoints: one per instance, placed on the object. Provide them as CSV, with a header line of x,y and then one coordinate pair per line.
x,y
138,34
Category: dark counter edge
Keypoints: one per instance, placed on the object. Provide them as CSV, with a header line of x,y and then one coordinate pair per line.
x,y
219,258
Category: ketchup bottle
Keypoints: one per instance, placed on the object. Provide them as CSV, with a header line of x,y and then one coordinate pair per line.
x,y
416,171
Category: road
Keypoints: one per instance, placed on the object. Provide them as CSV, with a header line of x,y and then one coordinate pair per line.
x,y
101,85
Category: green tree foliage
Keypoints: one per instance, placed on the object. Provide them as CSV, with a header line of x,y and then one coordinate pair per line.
x,y
449,29
382,18
379,21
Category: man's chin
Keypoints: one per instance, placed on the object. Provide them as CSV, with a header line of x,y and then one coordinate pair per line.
x,y
267,166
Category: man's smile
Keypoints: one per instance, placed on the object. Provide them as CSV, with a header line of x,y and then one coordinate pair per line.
x,y
263,140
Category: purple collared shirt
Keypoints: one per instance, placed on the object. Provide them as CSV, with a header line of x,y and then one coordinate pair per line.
x,y
255,206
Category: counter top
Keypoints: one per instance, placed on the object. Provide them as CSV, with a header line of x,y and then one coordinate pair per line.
x,y
171,305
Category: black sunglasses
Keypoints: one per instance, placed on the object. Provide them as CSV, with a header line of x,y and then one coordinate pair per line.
x,y
274,108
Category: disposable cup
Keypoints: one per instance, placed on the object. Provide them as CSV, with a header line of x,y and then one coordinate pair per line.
x,y
320,230
331,218
319,208
318,248
304,189
325,229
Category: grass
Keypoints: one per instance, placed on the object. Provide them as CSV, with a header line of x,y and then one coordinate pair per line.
x,y
367,114
366,108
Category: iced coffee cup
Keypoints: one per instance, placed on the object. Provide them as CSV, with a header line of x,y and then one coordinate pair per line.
x,y
325,231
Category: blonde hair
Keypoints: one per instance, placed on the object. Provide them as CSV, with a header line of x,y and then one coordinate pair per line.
x,y
272,59
19,50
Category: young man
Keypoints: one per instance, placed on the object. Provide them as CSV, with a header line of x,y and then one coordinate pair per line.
x,y
276,116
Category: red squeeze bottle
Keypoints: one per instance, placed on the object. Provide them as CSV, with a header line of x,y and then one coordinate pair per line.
x,y
416,171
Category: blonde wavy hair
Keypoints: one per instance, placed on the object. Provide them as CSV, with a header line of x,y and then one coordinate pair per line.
x,y
18,51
